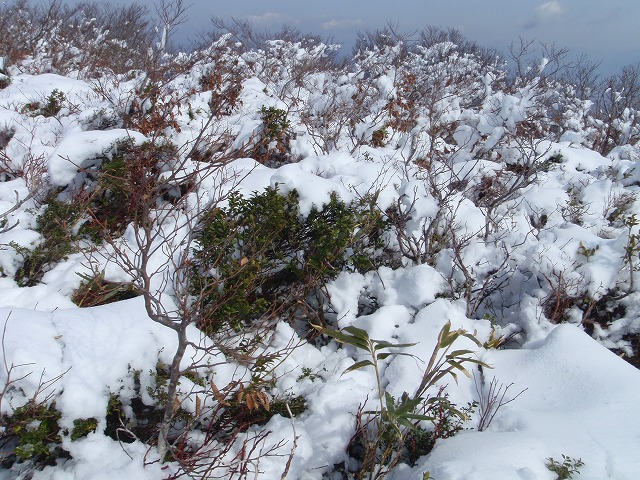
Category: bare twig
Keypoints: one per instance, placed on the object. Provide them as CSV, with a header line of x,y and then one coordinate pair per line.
x,y
295,443
491,398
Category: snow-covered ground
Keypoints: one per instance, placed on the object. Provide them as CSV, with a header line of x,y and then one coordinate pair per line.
x,y
568,231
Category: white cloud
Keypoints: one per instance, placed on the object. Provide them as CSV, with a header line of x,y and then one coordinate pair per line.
x,y
550,9
545,12
335,24
270,18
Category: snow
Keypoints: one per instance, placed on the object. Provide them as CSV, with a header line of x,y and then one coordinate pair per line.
x,y
80,150
563,411
97,456
579,398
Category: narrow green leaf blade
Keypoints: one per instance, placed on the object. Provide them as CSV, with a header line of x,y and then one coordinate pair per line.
x,y
357,366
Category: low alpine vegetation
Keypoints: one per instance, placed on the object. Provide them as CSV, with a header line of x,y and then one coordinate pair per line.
x,y
264,258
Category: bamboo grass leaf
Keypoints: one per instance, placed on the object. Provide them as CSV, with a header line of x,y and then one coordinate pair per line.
x,y
358,365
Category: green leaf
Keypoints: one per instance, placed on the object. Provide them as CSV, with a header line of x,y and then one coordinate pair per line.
x,y
379,344
404,345
459,353
358,365
448,340
415,416
389,401
472,338
444,333
457,412
357,332
343,338
458,366
406,423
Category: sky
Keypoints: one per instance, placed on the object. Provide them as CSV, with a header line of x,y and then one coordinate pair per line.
x,y
606,31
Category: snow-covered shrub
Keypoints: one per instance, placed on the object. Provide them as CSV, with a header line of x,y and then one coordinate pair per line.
x,y
6,134
463,192
88,38
48,107
5,80
260,257
116,193
102,119
284,63
615,115
57,224
273,147
222,74
152,110
53,104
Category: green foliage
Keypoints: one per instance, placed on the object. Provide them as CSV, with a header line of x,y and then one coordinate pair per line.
x,y
259,255
83,427
445,362
565,469
272,147
393,414
122,191
419,442
587,252
495,340
447,422
118,423
275,123
551,162
31,108
297,405
52,106
56,224
397,420
132,418
308,373
122,188
126,187
35,429
158,391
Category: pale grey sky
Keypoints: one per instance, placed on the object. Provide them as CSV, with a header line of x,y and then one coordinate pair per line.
x,y
607,30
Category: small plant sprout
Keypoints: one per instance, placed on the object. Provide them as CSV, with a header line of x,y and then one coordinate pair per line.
x,y
445,362
586,251
565,469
